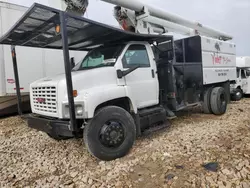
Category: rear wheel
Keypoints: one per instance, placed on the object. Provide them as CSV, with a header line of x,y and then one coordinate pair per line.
x,y
219,101
110,134
206,106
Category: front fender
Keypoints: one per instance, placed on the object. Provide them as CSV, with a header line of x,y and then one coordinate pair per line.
x,y
96,96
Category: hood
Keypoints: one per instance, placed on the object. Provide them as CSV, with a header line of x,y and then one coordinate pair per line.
x,y
85,78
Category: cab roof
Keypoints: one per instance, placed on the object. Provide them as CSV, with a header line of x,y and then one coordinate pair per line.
x,y
37,28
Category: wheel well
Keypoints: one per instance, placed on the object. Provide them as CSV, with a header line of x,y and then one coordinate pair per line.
x,y
225,85
124,103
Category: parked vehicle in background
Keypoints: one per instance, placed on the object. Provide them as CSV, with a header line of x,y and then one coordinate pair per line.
x,y
242,85
47,62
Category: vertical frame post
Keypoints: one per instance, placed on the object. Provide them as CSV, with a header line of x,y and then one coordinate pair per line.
x,y
184,50
184,67
18,92
173,88
67,66
173,49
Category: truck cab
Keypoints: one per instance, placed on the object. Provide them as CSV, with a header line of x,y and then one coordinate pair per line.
x,y
242,79
242,85
95,82
126,88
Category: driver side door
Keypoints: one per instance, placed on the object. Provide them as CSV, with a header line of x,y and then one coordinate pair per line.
x,y
244,82
142,83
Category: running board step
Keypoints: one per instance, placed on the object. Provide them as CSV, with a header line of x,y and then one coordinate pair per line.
x,y
156,128
150,111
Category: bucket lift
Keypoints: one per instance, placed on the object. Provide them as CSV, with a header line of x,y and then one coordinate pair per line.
x,y
147,19
78,7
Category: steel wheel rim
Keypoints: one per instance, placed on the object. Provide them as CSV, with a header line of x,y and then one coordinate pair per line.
x,y
112,134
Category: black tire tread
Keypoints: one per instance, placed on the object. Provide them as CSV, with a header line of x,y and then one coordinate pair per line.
x,y
90,146
214,101
206,105
234,97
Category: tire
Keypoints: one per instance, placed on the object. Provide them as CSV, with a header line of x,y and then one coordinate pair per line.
x,y
206,106
219,101
237,95
110,134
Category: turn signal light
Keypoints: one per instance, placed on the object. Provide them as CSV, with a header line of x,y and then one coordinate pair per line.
x,y
58,29
13,54
75,93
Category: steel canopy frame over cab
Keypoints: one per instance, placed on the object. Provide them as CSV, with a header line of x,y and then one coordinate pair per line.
x,y
46,27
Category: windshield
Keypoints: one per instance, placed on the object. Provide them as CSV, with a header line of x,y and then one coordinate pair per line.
x,y
101,57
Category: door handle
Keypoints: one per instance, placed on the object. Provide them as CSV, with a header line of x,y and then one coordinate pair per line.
x,y
153,73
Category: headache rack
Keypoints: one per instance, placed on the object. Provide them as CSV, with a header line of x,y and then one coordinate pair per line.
x,y
46,27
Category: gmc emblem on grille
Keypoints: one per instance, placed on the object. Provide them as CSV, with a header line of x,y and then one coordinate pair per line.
x,y
41,100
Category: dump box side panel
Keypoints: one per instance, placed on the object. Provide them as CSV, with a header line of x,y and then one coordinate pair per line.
x,y
28,71
33,63
219,61
2,72
53,61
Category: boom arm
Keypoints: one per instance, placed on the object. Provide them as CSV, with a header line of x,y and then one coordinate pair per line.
x,y
134,16
171,21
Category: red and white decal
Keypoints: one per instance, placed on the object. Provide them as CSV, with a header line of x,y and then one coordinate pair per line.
x,y
220,60
21,88
11,81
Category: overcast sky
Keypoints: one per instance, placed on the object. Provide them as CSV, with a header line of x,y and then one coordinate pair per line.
x,y
230,16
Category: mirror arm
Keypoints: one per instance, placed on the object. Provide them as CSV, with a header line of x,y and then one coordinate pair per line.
x,y
121,74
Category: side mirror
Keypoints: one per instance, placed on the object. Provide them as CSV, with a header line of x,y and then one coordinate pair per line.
x,y
72,62
121,74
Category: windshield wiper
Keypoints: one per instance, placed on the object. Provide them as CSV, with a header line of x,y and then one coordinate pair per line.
x,y
98,66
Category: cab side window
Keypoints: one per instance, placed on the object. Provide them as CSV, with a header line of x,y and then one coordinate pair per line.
x,y
243,74
136,55
238,73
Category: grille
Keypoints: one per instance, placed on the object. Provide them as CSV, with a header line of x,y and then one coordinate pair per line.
x,y
44,99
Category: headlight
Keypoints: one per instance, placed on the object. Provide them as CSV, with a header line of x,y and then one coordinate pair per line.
x,y
66,111
78,110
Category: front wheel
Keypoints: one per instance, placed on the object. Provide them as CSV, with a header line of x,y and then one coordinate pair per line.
x,y
110,134
237,95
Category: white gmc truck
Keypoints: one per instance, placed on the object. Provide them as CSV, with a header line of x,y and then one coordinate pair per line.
x,y
128,82
122,90
242,85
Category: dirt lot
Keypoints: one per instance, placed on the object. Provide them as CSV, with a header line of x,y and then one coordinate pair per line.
x,y
170,158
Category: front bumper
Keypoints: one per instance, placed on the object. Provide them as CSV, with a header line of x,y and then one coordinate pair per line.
x,y
50,126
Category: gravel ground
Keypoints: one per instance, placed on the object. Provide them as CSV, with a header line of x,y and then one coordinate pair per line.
x,y
169,158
